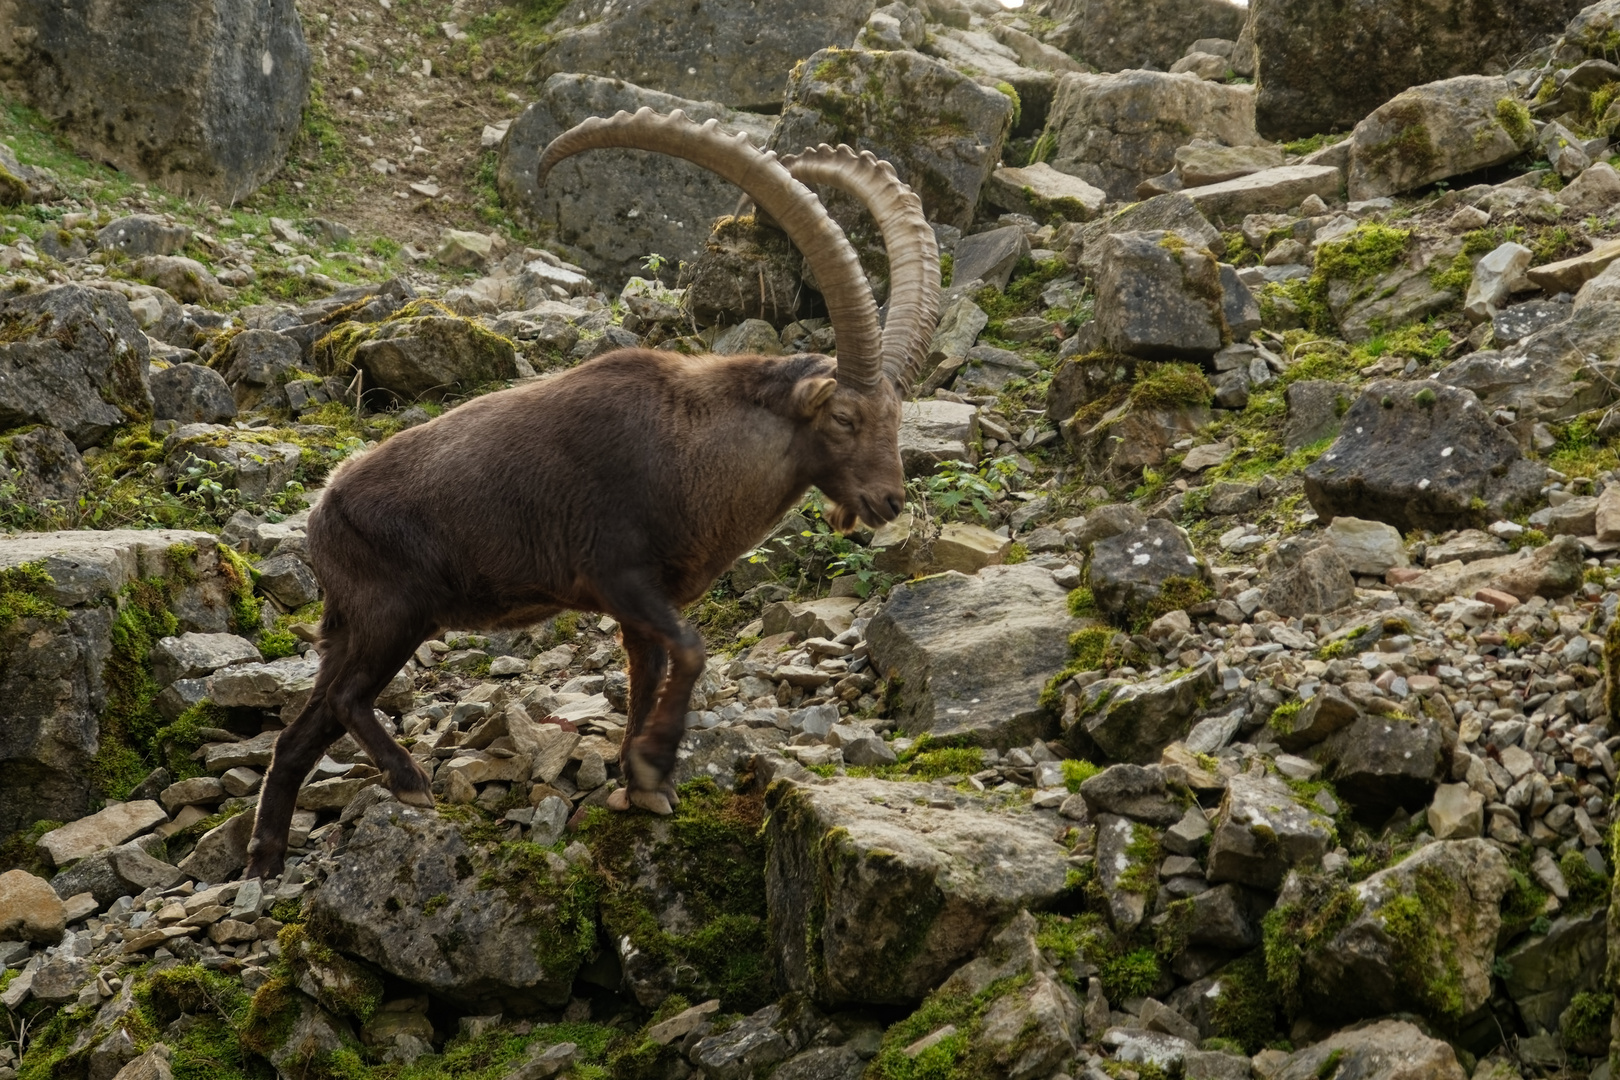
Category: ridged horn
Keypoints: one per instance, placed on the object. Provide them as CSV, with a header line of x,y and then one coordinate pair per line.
x,y
913,252
794,207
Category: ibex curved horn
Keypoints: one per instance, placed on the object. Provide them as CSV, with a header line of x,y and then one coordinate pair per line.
x,y
795,208
913,251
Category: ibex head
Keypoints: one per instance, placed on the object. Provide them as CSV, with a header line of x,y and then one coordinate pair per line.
x,y
848,409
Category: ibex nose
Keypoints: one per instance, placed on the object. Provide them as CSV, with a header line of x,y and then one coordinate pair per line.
x,y
895,503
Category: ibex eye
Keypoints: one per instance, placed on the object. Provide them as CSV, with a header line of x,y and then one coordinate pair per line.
x,y
844,420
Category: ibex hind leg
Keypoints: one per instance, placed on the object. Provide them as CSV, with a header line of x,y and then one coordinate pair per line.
x,y
648,754
297,750
648,664
369,661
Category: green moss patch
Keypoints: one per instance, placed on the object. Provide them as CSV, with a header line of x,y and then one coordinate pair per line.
x,y
711,856
25,593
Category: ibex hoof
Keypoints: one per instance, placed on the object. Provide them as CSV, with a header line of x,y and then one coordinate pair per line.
x,y
655,802
424,799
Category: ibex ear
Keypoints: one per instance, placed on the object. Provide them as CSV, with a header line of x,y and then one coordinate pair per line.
x,y
809,395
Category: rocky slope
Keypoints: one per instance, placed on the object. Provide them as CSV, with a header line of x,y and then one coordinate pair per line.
x,y
1235,698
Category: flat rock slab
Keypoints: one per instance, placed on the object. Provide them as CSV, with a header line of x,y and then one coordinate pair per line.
x,y
264,686
1041,191
1551,570
88,567
875,896
971,655
102,830
1279,189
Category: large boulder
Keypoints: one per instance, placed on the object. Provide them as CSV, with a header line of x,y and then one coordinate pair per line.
x,y
1420,937
1434,131
1305,48
53,663
1114,131
192,394
1263,830
613,208
1382,764
202,96
1152,563
1554,374
941,130
1113,36
1134,721
409,894
731,51
874,898
1159,298
45,466
1388,1049
74,359
430,357
1421,455
970,656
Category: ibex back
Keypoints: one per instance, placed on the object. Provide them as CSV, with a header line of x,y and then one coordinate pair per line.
x,y
626,485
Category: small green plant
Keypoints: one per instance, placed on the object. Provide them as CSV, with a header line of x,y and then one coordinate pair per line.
x,y
957,486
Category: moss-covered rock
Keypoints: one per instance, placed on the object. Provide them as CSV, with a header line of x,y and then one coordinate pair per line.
x,y
72,358
942,130
79,614
508,927
1418,936
1004,1014
875,896
683,898
1431,132
423,352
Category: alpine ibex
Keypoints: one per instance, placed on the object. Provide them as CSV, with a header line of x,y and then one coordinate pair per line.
x,y
626,485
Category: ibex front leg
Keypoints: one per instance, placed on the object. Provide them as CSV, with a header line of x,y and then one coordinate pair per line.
x,y
659,643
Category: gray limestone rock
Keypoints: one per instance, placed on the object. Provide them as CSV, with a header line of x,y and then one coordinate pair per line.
x,y
1434,131
477,944
203,96
981,675
1113,36
1434,913
72,358
1388,1049
894,895
1130,570
734,52
51,671
1380,763
614,207
1114,131
143,234
1262,831
1158,298
192,394
1135,721
1419,455
940,129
